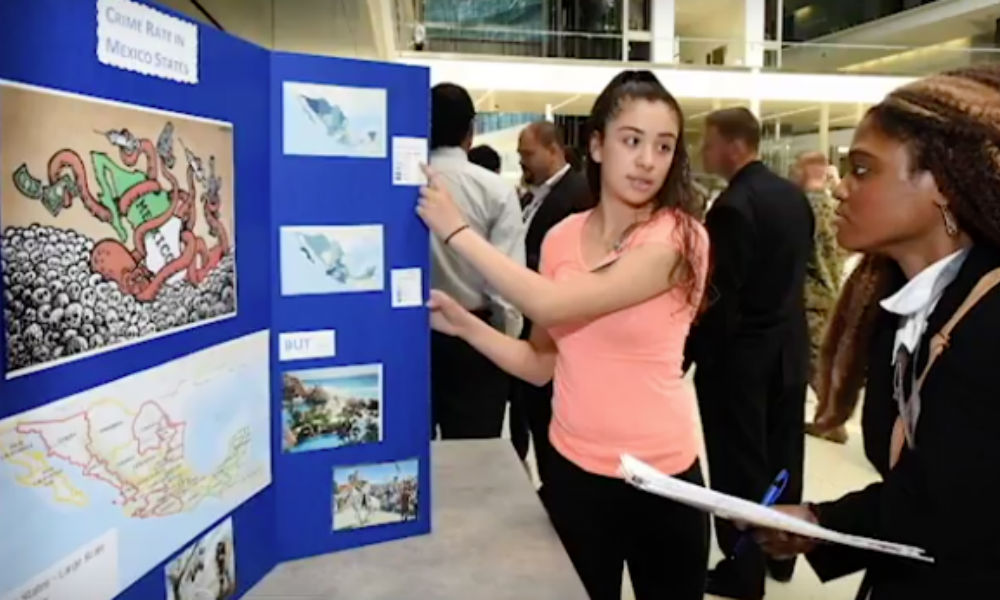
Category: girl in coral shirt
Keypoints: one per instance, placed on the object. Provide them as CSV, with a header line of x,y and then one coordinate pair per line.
x,y
613,302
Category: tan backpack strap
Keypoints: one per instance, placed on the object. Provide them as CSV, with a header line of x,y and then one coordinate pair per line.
x,y
938,344
942,338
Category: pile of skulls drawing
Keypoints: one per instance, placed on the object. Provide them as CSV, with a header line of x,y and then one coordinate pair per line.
x,y
65,293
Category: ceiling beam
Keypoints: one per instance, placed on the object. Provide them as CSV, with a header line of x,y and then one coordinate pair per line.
x,y
791,113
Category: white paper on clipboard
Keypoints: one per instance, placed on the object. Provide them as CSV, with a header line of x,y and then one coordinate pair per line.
x,y
646,478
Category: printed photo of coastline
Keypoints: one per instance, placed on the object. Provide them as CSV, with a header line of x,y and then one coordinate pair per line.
x,y
331,407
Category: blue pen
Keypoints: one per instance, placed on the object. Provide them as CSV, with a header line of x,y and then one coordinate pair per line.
x,y
770,497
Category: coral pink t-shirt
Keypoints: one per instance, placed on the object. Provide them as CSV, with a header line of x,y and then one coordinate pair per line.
x,y
618,383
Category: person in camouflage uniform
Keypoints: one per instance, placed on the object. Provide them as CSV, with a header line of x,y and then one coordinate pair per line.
x,y
826,266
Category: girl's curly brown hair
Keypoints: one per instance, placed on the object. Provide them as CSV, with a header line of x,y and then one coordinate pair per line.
x,y
950,124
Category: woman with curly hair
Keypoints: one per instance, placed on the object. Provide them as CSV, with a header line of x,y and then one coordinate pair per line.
x,y
919,325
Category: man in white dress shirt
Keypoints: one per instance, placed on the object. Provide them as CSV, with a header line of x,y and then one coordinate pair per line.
x,y
468,392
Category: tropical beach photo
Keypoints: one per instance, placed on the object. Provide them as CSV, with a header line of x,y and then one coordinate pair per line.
x,y
331,407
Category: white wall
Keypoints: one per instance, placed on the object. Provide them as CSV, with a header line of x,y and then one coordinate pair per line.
x,y
663,27
718,29
331,27
248,19
737,24
328,27
754,13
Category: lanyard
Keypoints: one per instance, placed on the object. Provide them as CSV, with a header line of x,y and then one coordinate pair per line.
x,y
907,404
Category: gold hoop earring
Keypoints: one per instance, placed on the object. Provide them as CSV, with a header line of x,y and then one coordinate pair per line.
x,y
950,223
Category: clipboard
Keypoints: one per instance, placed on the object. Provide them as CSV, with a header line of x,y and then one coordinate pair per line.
x,y
648,479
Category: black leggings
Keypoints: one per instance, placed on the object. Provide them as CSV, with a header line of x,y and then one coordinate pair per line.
x,y
605,523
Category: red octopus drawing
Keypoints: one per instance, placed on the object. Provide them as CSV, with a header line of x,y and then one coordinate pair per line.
x,y
139,199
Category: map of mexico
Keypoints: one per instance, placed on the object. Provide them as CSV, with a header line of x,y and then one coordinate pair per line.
x,y
140,455
150,460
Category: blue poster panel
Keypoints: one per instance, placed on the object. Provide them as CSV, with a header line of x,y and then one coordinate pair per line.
x,y
346,239
207,343
135,413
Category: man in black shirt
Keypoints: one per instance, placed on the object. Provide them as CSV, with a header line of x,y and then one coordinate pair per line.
x,y
751,346
486,157
555,190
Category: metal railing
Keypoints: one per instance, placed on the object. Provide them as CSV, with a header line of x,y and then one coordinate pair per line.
x,y
886,59
513,41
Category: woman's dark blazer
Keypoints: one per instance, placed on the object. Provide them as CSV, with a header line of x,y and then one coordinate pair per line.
x,y
944,495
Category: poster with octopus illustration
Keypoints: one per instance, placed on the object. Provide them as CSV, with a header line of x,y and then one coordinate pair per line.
x,y
117,224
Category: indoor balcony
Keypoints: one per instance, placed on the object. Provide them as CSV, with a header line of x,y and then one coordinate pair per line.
x,y
867,37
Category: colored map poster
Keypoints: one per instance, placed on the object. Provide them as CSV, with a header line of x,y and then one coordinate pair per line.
x,y
144,463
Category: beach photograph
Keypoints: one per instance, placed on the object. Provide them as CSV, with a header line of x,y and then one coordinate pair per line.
x,y
331,407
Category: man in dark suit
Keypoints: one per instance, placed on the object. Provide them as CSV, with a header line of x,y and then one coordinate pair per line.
x,y
555,190
751,346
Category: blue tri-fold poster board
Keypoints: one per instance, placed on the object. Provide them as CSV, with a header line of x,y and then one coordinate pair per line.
x,y
177,416
343,228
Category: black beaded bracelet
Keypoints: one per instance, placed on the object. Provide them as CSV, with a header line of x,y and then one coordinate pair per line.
x,y
454,233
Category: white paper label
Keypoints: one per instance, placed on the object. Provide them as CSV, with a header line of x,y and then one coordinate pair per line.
x,y
88,573
407,155
138,38
407,291
300,345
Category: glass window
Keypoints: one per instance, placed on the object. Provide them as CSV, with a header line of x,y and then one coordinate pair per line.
x,y
808,19
484,19
639,15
